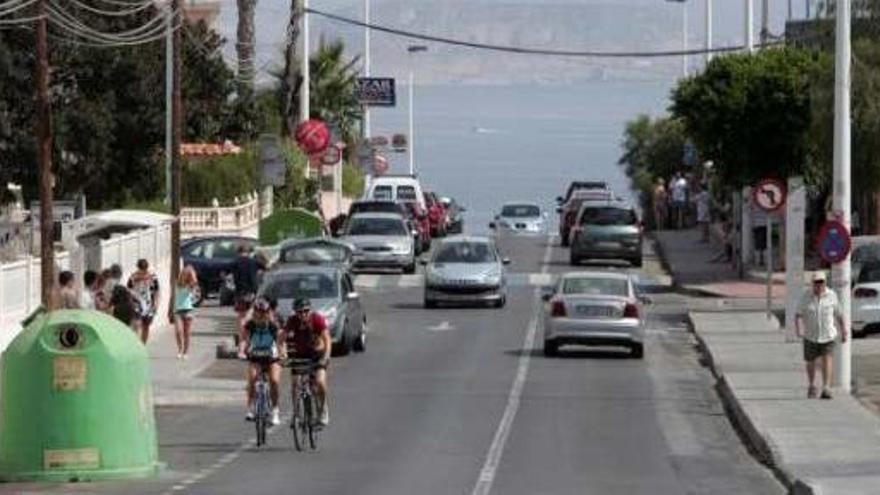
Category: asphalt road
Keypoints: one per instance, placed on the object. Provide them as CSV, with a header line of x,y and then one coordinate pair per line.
x,y
461,401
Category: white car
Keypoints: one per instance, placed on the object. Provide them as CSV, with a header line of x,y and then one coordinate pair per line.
x,y
866,300
397,188
594,308
381,241
521,218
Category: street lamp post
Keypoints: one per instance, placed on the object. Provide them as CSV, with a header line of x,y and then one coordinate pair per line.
x,y
842,180
749,26
412,141
366,129
708,31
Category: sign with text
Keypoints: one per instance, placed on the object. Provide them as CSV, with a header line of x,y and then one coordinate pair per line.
x,y
375,91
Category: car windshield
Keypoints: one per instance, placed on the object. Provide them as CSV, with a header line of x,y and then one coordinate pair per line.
x,y
383,192
866,253
520,211
465,252
302,285
595,286
406,193
377,226
869,273
315,254
608,215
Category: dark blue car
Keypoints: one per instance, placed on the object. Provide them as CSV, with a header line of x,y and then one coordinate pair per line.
x,y
212,258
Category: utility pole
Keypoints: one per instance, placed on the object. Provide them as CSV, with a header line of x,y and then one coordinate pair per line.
x,y
366,63
749,25
412,49
169,100
305,88
684,38
840,272
708,31
44,160
176,138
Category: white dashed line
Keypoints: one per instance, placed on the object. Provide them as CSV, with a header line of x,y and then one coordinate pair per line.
x,y
493,458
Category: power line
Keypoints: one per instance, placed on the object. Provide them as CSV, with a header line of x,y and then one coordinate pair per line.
x,y
526,50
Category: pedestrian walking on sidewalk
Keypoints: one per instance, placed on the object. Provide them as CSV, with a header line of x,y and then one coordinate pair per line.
x,y
660,199
68,293
702,200
145,286
817,322
183,309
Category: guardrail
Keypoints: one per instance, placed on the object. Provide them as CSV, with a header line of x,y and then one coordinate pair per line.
x,y
217,219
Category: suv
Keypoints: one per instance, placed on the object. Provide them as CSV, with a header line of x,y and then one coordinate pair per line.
x,y
607,230
569,209
595,185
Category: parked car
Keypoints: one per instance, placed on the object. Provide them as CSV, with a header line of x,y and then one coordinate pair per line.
x,y
606,230
466,270
520,217
397,188
422,223
593,308
381,240
436,214
569,209
212,258
865,249
866,300
315,251
454,215
331,291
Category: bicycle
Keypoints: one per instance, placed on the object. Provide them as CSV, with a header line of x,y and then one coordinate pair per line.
x,y
305,403
262,404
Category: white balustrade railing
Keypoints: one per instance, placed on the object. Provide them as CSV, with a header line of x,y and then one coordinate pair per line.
x,y
225,219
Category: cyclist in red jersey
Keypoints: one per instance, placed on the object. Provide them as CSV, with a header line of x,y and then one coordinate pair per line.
x,y
307,337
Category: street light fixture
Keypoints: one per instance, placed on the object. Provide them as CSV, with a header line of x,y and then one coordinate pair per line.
x,y
411,49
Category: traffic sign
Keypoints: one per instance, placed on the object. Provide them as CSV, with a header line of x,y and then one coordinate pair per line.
x,y
834,242
769,194
332,156
375,91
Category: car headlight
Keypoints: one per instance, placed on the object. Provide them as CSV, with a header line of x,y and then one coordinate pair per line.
x,y
330,315
401,250
492,280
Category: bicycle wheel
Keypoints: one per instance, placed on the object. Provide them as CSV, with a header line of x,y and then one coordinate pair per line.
x,y
296,425
309,419
313,432
261,413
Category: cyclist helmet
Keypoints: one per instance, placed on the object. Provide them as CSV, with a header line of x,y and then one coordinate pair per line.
x,y
262,305
302,304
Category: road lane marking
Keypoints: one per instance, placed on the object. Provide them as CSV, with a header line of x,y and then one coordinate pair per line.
x,y
443,326
493,458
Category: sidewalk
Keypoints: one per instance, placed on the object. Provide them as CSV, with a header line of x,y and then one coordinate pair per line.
x,y
689,262
179,382
815,446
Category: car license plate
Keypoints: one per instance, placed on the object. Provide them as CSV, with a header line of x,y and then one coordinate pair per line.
x,y
608,245
595,311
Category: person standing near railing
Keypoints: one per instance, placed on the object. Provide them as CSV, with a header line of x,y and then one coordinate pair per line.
x,y
184,291
145,286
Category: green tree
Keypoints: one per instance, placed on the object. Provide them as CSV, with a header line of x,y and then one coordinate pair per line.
x,y
109,110
751,114
332,96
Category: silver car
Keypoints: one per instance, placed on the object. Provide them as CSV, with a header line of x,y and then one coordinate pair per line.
x,y
466,270
521,218
381,241
314,251
593,308
331,291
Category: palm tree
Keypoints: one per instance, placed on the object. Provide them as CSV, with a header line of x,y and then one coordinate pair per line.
x,y
332,89
245,43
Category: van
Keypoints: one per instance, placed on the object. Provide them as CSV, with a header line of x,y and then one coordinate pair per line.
x,y
397,188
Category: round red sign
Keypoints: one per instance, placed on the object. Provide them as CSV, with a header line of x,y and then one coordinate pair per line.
x,y
313,136
769,194
834,242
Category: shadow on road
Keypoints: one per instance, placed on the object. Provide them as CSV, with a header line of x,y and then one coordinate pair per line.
x,y
421,307
574,353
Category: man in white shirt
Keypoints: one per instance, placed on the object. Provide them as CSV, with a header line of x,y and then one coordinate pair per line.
x,y
817,314
679,199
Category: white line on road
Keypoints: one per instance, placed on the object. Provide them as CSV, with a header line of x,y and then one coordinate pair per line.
x,y
493,458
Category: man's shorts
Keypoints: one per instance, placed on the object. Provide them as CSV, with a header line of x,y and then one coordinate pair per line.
x,y
243,302
814,350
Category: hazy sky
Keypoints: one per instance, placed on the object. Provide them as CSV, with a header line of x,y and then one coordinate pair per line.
x,y
728,18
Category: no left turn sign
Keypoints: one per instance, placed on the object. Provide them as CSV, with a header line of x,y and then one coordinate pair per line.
x,y
769,194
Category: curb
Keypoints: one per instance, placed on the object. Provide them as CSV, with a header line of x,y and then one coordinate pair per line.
x,y
676,284
760,447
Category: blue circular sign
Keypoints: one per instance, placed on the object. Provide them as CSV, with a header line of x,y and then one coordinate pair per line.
x,y
834,242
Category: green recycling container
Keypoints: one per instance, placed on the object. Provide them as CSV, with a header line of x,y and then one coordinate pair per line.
x,y
76,401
